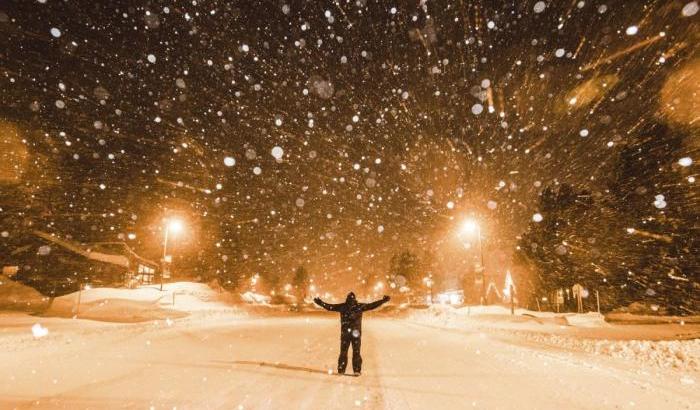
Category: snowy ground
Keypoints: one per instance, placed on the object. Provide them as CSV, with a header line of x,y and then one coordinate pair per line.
x,y
213,355
272,363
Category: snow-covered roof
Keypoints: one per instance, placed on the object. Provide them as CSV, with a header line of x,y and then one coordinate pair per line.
x,y
123,247
119,260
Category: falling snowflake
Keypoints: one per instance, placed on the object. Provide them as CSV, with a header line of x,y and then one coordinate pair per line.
x,y
690,9
685,162
39,331
277,152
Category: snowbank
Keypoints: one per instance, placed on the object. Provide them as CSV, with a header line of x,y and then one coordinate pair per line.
x,y
676,354
448,316
590,319
195,297
112,305
17,296
111,310
632,318
251,297
141,304
579,332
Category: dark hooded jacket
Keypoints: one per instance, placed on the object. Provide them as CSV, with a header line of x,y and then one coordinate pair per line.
x,y
351,312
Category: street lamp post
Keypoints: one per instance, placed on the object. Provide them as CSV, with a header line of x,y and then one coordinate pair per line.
x,y
165,250
483,268
171,225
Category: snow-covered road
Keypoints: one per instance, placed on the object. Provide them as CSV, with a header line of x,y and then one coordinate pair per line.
x,y
283,363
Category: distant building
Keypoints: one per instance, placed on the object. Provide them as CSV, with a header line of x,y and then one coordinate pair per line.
x,y
56,266
142,271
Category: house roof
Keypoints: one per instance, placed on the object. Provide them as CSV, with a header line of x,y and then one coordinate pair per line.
x,y
130,252
119,260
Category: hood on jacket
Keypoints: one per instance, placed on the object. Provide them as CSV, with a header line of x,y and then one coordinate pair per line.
x,y
351,298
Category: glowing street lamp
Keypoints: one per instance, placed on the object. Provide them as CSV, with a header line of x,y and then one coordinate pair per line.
x,y
175,226
471,227
172,226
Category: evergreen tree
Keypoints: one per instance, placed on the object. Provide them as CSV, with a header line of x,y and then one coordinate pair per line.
x,y
563,246
635,242
655,212
300,282
404,270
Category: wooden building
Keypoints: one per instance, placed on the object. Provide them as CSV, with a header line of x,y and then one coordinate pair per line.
x,y
56,266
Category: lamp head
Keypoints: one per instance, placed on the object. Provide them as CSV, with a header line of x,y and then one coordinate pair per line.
x,y
175,226
469,227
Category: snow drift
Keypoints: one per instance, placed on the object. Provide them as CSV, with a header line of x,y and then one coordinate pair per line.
x,y
590,319
112,305
551,329
631,318
142,304
676,354
255,298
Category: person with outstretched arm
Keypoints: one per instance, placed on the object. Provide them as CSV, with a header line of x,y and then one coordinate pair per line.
x,y
350,328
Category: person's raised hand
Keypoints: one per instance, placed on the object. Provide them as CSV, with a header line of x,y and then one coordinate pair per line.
x,y
386,298
317,300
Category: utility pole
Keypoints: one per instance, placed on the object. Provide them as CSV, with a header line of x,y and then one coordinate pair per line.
x,y
482,267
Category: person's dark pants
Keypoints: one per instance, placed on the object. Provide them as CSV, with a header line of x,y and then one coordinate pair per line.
x,y
345,342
